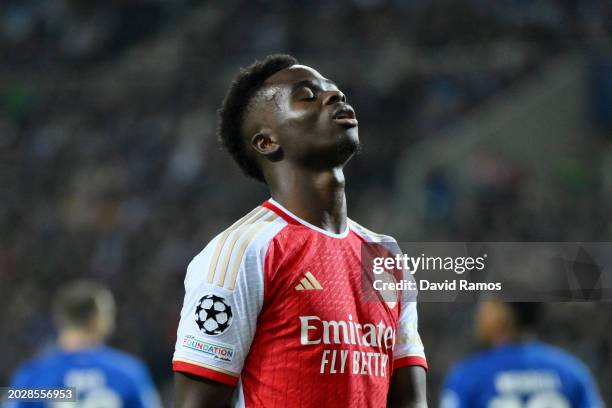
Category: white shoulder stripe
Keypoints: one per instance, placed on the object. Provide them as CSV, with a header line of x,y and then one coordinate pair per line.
x,y
232,245
235,234
243,246
217,253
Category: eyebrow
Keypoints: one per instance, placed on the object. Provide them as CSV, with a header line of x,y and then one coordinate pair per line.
x,y
313,84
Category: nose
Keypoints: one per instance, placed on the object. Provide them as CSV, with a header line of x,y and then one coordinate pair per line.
x,y
333,97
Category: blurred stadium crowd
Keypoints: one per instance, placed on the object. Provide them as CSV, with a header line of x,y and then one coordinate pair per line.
x,y
110,166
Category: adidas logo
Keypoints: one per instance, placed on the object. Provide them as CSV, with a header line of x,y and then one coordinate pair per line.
x,y
309,282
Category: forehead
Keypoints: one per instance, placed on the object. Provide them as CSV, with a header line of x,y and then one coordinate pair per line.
x,y
295,74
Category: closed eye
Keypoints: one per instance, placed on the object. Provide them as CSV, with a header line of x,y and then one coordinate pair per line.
x,y
305,93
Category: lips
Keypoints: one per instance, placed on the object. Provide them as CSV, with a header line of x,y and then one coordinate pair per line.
x,y
345,116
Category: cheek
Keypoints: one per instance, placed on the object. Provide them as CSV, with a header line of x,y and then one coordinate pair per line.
x,y
299,120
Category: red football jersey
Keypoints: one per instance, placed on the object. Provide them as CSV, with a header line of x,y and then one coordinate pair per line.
x,y
275,305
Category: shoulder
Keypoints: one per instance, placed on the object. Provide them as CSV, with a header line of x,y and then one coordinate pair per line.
x,y
465,380
469,372
25,374
124,364
244,242
121,358
369,235
564,361
471,364
381,244
254,229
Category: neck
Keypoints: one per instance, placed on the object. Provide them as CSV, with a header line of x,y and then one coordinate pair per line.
x,y
507,337
316,197
72,340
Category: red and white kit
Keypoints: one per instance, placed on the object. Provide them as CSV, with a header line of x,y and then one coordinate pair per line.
x,y
274,305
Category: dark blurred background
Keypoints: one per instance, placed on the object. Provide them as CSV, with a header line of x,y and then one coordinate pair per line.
x,y
480,120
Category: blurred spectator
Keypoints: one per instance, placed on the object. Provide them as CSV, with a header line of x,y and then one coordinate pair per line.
x,y
515,370
85,315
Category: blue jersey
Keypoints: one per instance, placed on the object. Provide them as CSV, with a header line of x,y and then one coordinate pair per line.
x,y
102,376
529,375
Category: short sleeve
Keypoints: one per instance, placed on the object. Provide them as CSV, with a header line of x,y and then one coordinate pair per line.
x,y
408,349
223,297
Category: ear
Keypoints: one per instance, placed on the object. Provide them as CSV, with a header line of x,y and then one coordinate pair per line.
x,y
264,142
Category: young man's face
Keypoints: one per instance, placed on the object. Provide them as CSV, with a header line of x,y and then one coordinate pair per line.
x,y
308,117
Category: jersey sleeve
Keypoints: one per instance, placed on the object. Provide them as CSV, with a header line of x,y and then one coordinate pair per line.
x,y
408,349
218,322
223,297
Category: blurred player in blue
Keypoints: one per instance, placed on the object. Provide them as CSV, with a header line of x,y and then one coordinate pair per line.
x,y
516,372
84,313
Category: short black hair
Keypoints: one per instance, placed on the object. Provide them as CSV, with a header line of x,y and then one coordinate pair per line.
x,y
231,114
526,314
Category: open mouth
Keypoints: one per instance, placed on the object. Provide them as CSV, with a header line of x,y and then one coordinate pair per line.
x,y
345,116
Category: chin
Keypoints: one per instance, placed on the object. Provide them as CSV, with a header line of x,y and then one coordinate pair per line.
x,y
348,145
331,149
350,136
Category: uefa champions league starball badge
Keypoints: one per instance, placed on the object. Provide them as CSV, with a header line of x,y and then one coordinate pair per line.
x,y
213,315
